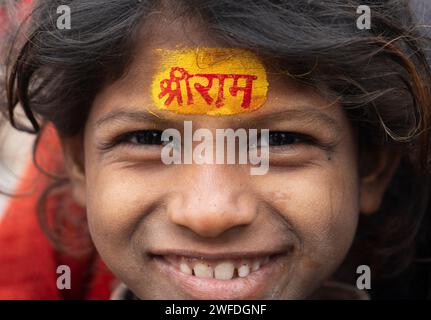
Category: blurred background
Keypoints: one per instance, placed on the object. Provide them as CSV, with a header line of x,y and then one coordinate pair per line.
x,y
15,147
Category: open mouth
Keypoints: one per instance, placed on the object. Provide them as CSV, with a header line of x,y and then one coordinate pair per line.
x,y
219,269
206,277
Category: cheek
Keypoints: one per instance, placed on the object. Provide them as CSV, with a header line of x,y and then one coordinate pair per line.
x,y
117,198
322,205
324,208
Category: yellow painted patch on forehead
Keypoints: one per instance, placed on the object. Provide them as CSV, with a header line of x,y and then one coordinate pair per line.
x,y
209,81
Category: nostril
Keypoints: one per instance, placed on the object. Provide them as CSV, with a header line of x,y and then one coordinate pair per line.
x,y
213,211
212,228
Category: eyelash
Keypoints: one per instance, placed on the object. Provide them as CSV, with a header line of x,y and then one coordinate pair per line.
x,y
282,138
149,137
153,137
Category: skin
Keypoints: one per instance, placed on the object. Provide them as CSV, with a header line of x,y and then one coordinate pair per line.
x,y
306,206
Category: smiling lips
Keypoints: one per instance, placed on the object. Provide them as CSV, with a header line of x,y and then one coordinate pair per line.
x,y
222,277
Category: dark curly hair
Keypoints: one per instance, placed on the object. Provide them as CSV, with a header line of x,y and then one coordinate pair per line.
x,y
380,76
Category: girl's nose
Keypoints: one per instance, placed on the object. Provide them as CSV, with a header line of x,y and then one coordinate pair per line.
x,y
212,199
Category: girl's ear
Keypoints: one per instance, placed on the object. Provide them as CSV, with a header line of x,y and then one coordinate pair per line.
x,y
73,153
377,168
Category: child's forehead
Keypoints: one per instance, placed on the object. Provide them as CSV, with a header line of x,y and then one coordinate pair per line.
x,y
176,42
211,81
148,60
284,101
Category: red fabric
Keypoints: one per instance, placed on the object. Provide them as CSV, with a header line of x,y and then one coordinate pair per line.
x,y
28,261
23,9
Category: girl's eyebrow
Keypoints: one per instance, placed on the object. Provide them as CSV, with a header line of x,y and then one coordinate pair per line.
x,y
129,115
302,114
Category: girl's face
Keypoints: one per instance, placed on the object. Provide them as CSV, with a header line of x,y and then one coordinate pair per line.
x,y
215,231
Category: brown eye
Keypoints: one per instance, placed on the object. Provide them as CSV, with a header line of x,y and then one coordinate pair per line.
x,y
280,138
147,137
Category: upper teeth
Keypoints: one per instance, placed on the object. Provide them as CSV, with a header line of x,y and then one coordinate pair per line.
x,y
220,270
